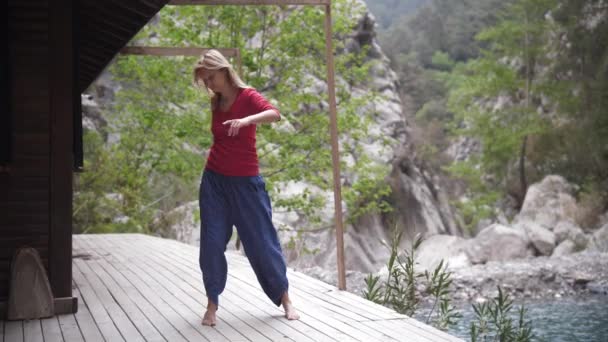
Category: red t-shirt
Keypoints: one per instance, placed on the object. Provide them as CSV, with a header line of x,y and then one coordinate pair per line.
x,y
236,155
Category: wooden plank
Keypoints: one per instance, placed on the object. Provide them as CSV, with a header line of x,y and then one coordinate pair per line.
x,y
344,299
260,308
61,82
166,290
410,325
114,311
32,144
188,307
13,331
167,262
32,331
264,327
361,305
6,117
249,2
101,316
148,320
86,322
312,315
319,323
396,331
69,328
175,51
342,320
258,299
328,294
168,320
51,330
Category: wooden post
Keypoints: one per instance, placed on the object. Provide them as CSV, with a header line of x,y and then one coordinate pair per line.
x,y
335,149
239,63
61,106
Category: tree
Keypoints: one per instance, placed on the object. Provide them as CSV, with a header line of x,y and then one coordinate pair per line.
x,y
580,72
496,96
162,120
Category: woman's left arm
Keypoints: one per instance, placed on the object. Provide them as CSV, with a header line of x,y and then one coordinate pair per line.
x,y
267,116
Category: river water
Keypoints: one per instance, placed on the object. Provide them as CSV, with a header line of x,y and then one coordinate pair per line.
x,y
583,319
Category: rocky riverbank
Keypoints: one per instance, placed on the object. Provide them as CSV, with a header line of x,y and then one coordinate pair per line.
x,y
572,275
541,277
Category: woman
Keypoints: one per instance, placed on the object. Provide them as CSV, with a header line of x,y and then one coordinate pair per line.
x,y
232,192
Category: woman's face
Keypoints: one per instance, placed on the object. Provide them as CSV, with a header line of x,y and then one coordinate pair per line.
x,y
216,80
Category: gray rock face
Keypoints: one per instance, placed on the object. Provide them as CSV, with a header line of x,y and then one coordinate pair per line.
x,y
450,249
498,243
420,204
182,223
542,238
600,239
549,202
603,219
567,230
564,248
462,148
364,249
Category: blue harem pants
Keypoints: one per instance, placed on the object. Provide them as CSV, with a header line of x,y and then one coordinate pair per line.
x,y
243,202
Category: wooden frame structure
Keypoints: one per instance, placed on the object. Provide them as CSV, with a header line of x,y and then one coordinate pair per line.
x,y
335,149
53,53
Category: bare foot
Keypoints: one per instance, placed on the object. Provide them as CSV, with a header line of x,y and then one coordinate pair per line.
x,y
209,317
290,311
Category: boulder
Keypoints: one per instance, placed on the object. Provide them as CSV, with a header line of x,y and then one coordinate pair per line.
x,y
564,248
603,219
542,238
566,230
548,203
498,243
600,239
449,248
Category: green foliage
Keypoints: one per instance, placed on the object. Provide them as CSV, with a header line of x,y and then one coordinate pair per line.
x,y
373,289
162,121
494,322
441,26
581,90
480,197
493,319
438,283
400,290
495,100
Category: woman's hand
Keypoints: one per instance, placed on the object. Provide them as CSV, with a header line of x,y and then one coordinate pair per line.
x,y
235,125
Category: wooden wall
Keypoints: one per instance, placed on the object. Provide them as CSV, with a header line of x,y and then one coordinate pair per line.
x,y
35,191
24,199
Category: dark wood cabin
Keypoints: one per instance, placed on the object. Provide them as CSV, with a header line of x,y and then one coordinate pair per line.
x,y
53,51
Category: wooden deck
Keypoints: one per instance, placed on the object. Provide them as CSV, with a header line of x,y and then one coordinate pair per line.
x,y
135,287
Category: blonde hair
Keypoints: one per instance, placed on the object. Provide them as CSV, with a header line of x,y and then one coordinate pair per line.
x,y
214,60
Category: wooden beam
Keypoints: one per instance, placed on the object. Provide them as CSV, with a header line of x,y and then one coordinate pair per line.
x,y
249,2
335,150
179,51
61,86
